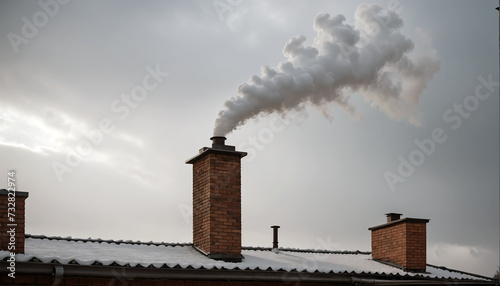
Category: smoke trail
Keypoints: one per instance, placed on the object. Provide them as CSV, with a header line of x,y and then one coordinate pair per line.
x,y
372,57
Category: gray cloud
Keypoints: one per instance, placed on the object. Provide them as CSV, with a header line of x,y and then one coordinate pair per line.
x,y
371,57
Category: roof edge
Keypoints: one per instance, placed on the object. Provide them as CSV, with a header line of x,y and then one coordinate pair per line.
x,y
138,242
99,240
322,251
461,272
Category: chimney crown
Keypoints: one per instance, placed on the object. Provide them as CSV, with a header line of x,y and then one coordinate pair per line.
x,y
218,146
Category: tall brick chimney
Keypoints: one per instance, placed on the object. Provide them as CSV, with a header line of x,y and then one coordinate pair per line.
x,y
217,201
12,226
401,242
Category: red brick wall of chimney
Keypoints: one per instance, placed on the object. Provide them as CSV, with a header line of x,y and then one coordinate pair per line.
x,y
217,205
403,243
6,224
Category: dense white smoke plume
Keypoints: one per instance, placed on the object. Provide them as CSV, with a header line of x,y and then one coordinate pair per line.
x,y
372,57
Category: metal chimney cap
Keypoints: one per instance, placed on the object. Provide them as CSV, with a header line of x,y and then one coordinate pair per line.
x,y
393,216
219,147
275,226
218,140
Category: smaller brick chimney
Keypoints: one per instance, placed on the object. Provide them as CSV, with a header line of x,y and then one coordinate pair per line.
x,y
12,220
401,242
217,201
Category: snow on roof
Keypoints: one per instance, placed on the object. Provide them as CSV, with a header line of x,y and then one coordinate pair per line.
x,y
145,254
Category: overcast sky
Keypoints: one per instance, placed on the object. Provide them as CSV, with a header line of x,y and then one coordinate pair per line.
x,y
69,69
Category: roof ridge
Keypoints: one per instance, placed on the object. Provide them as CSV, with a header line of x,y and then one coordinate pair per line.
x,y
138,242
109,241
307,250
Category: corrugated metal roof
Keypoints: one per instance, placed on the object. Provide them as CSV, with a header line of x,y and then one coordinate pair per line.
x,y
67,250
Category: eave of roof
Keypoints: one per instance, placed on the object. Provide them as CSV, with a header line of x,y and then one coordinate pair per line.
x,y
117,272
